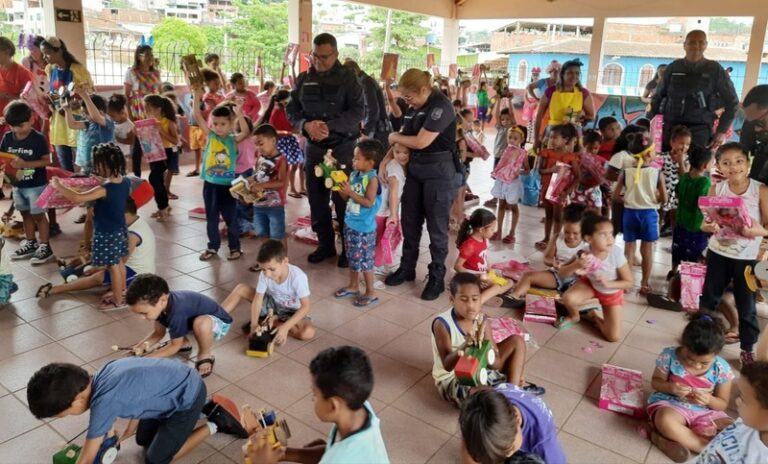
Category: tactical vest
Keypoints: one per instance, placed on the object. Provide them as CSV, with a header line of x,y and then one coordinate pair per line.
x,y
692,96
322,97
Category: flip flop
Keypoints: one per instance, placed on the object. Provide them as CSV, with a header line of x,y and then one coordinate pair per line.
x,y
533,389
295,195
540,245
363,301
564,324
235,255
172,196
255,268
44,290
207,255
731,337
495,236
209,360
509,239
344,293
585,312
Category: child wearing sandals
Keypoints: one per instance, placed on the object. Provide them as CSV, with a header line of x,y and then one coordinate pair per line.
x,y
177,313
162,109
605,274
110,233
287,143
509,193
692,386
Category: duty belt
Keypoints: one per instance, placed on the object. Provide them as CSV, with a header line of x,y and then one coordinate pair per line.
x,y
432,157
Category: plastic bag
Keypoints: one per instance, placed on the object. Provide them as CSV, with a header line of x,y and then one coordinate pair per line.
x,y
531,188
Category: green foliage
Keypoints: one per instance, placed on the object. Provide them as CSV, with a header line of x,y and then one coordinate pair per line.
x,y
174,37
261,27
405,31
727,26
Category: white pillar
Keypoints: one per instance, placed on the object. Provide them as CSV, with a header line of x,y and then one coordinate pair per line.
x,y
450,51
60,20
755,53
300,24
595,53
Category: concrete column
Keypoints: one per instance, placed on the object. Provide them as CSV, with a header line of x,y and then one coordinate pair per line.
x,y
450,51
755,53
58,22
300,24
596,53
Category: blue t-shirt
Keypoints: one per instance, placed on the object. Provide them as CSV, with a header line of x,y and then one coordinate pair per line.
x,y
92,135
366,445
109,212
358,217
33,148
140,388
539,431
183,307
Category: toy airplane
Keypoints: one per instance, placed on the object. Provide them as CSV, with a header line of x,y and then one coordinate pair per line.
x,y
328,169
472,367
260,342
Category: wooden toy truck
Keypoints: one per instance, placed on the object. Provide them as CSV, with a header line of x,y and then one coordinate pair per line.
x,y
191,66
278,431
472,367
260,342
329,170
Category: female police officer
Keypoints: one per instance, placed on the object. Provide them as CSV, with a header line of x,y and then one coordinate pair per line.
x,y
432,181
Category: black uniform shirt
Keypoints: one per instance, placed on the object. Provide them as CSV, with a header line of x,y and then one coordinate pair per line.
x,y
435,116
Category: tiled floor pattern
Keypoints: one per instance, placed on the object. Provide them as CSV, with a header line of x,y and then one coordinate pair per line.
x,y
418,427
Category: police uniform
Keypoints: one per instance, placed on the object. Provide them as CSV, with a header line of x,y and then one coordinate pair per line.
x,y
430,187
757,145
335,97
376,124
688,95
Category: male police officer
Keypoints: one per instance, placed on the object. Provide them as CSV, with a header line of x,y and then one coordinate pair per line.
x,y
376,124
754,133
690,92
327,105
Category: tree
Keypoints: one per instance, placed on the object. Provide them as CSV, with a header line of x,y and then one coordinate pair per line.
x,y
174,37
261,27
405,29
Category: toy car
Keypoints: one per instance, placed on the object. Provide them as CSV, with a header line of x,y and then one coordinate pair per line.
x,y
106,455
472,367
329,170
260,342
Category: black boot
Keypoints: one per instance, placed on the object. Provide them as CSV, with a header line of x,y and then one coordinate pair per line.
x,y
435,286
342,262
400,276
321,254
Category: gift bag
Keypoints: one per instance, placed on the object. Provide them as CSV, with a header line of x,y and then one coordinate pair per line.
x,y
531,188
390,240
559,181
540,306
592,171
505,327
141,191
510,164
150,140
51,198
621,391
691,284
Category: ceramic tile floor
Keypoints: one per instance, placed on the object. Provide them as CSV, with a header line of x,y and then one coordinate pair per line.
x,y
418,427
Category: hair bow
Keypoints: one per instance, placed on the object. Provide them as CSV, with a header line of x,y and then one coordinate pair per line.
x,y
640,157
147,42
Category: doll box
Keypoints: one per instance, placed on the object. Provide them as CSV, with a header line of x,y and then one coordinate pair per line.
x,y
475,146
559,181
730,213
540,306
621,391
150,140
510,164
51,198
505,327
512,269
691,284
390,240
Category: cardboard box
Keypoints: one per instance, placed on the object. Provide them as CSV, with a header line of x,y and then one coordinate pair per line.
x,y
540,306
622,391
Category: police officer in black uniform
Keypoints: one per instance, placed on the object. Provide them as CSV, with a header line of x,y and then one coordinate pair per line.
x,y
754,132
327,105
690,92
376,124
432,181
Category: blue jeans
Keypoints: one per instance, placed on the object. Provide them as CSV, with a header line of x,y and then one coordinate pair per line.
x,y
66,156
269,222
219,202
245,212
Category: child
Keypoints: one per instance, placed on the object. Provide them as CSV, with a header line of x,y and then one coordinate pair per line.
x,y
363,196
692,386
219,164
499,424
727,258
561,251
213,63
162,109
472,241
246,159
509,193
342,381
586,190
644,190
620,160
124,129
606,283
287,143
177,313
391,191
141,258
211,99
504,121
173,161
110,234
32,156
283,288
163,399
674,165
449,341
688,241
609,129
240,91
7,285
483,102
97,128
561,143
746,440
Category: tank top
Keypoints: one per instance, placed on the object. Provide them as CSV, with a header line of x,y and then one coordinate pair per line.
x,y
358,217
565,253
641,188
448,319
743,247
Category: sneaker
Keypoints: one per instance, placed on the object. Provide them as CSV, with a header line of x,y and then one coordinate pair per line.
x,y
433,289
54,230
400,276
43,254
27,250
747,357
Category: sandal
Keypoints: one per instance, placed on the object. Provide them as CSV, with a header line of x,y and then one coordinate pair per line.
x,y
363,301
208,254
255,268
112,305
235,255
564,324
533,389
209,360
541,245
193,173
732,337
343,292
663,302
164,215
80,219
172,196
44,290
294,195
495,236
509,238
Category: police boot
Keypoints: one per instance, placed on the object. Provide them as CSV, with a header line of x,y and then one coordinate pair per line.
x,y
321,254
399,276
435,286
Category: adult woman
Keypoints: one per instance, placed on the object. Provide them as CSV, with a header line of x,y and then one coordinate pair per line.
x,y
433,177
62,70
141,79
650,87
13,78
535,90
565,102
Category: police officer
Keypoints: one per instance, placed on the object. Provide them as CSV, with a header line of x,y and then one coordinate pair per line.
x,y
690,92
432,181
327,104
754,133
376,124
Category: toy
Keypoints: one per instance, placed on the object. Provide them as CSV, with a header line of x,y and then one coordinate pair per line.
x,y
278,431
730,213
757,277
691,284
138,351
72,273
327,169
390,240
622,391
472,366
225,414
558,183
242,192
191,66
52,198
512,269
510,164
540,306
149,138
260,344
106,455
496,278
10,229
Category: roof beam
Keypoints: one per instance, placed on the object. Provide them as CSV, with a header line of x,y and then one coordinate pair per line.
x,y
440,8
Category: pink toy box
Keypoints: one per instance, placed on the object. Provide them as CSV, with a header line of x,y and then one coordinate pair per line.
x,y
150,140
505,327
390,240
51,198
475,146
540,306
510,164
512,269
691,284
622,391
560,180
34,98
730,213
592,170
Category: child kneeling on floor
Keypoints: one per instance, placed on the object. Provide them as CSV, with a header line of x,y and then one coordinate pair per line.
x,y
449,342
163,399
507,425
178,312
342,381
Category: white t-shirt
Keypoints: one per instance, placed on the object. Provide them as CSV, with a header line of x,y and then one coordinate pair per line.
x,y
290,292
142,260
742,247
394,169
736,444
608,268
121,131
563,252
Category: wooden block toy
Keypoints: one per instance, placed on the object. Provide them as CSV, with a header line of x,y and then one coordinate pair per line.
x,y
240,191
260,342
106,455
329,169
278,431
191,66
472,367
139,351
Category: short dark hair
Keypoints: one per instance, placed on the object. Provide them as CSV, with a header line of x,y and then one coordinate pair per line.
x,y
757,95
271,249
208,57
117,102
235,77
574,213
146,287
265,130
567,131
371,149
679,131
325,39
223,111
590,222
99,102
209,75
17,113
699,156
644,123
606,121
53,388
458,103
731,146
488,424
504,112
130,206
591,136
268,85
465,112
704,334
7,45
756,374
463,278
344,372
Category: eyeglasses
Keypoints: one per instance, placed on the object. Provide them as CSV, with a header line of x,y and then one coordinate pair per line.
x,y
323,57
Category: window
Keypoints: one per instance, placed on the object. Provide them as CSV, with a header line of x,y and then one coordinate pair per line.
x,y
613,74
646,74
522,71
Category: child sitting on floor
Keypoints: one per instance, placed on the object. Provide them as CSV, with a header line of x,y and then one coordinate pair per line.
x,y
449,342
472,241
507,425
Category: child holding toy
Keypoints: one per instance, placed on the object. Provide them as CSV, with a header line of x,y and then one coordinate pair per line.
x,y
505,120
587,189
96,128
472,240
508,187
606,275
363,196
449,341
125,133
391,191
727,258
246,160
162,110
212,97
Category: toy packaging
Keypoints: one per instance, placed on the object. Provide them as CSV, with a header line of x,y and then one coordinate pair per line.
x,y
475,146
34,98
559,181
730,213
8,171
540,306
657,129
389,66
512,269
595,263
510,164
150,140
496,279
622,391
531,188
51,198
390,240
691,284
303,231
472,367
241,192
505,327
592,170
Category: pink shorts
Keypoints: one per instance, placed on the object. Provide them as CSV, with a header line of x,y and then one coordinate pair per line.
x,y
701,422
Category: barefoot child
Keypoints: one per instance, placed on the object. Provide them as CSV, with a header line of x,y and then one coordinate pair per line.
x,y
509,193
472,241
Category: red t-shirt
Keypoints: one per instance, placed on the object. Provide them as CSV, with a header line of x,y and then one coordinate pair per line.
x,y
12,82
279,120
210,101
474,253
606,150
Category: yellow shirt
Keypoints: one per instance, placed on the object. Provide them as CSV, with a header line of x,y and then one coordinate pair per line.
x,y
563,104
165,124
60,133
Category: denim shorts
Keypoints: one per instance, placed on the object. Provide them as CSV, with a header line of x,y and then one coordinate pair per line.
x,y
269,222
172,159
24,199
563,283
640,224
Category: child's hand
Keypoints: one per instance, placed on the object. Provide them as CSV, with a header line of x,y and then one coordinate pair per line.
x,y
755,231
680,390
281,334
710,227
18,163
56,183
700,397
260,451
393,219
345,188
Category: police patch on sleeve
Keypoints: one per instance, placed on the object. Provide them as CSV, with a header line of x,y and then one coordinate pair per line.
x,y
436,114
